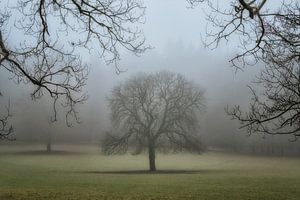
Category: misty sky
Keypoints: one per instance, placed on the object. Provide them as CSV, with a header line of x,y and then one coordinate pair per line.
x,y
174,31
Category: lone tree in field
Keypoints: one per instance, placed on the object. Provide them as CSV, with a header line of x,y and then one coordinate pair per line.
x,y
269,35
155,112
41,42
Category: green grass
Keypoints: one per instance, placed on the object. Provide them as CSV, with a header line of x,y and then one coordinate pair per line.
x,y
209,176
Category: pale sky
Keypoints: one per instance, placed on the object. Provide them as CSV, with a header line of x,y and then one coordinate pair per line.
x,y
174,31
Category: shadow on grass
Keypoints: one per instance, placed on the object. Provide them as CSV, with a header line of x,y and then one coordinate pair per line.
x,y
128,172
7,196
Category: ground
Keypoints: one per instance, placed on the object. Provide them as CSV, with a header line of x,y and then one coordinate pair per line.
x,y
77,173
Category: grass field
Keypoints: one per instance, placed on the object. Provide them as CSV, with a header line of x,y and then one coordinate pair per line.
x,y
73,175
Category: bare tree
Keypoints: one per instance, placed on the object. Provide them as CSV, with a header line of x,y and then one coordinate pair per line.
x,y
155,112
5,129
52,36
271,36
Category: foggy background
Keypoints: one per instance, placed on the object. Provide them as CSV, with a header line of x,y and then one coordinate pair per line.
x,y
174,31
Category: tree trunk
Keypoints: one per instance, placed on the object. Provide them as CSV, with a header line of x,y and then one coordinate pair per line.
x,y
151,152
49,146
49,142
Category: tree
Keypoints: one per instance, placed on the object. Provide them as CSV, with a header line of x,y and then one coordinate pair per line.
x,y
5,129
52,36
49,136
155,112
269,35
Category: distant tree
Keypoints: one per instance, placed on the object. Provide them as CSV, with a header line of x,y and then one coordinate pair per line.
x,y
269,35
49,136
154,112
5,129
52,34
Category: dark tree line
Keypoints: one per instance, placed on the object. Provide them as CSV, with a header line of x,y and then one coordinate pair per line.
x,y
154,112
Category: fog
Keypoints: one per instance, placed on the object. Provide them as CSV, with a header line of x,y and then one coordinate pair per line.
x,y
175,35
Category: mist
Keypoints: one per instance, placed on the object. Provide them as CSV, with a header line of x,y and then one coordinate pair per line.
x,y
176,45
149,99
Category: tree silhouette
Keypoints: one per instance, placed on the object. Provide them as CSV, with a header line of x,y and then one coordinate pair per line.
x,y
5,129
154,112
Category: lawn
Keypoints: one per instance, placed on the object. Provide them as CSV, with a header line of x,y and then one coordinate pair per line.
x,y
90,175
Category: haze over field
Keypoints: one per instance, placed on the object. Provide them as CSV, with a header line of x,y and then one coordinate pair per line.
x,y
149,99
177,46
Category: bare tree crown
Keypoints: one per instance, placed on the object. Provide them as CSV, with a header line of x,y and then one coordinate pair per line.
x,y
159,109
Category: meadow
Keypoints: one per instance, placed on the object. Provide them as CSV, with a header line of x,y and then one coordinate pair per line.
x,y
77,172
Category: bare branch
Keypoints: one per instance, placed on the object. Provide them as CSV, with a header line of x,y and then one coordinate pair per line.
x,y
271,37
54,32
